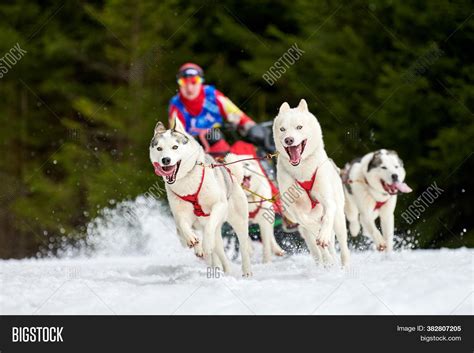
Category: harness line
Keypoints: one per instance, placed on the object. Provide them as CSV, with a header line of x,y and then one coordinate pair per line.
x,y
215,165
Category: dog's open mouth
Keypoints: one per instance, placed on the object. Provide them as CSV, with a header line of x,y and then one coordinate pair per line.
x,y
246,181
295,152
395,188
167,171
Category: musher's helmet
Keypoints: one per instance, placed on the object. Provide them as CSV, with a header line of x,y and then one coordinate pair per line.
x,y
190,70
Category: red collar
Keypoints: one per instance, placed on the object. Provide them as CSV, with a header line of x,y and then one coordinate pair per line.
x,y
194,106
308,186
193,198
253,214
378,204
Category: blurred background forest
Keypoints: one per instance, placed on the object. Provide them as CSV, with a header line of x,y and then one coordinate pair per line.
x,y
77,111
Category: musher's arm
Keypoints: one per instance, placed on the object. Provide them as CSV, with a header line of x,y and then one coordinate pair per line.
x,y
254,133
231,113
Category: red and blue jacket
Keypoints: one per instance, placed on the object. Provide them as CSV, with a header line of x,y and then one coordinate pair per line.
x,y
208,110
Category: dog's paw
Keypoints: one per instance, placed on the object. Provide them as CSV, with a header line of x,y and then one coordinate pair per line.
x,y
198,250
192,242
381,247
247,274
322,242
280,252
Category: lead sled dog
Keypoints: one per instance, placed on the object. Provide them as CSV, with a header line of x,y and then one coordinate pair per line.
x,y
201,198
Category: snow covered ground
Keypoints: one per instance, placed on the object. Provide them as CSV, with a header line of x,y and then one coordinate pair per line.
x,y
138,267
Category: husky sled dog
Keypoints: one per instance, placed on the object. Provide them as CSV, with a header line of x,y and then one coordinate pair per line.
x,y
261,212
371,187
201,198
303,162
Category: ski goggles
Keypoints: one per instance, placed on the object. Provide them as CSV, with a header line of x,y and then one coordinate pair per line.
x,y
192,79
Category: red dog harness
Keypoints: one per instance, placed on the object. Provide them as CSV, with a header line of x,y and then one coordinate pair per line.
x,y
379,204
307,186
193,198
254,213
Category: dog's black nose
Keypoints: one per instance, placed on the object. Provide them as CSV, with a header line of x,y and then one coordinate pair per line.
x,y
395,177
289,141
166,160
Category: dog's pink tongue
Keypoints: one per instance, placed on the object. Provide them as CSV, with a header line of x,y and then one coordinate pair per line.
x,y
402,187
158,170
295,153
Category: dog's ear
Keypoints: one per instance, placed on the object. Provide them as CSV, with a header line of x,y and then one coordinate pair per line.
x,y
284,107
303,106
177,125
376,161
159,128
396,155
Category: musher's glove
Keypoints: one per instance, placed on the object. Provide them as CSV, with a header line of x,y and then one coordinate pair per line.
x,y
257,134
260,136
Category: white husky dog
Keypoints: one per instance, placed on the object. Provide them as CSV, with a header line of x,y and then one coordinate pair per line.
x,y
371,186
302,161
261,212
201,198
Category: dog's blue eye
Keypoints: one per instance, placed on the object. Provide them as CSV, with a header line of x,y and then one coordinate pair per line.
x,y
175,147
282,129
384,167
160,149
299,127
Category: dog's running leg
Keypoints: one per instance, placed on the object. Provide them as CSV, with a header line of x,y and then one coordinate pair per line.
x,y
327,223
242,231
216,217
341,233
332,246
238,218
220,252
198,250
216,262
266,233
352,214
327,256
277,250
270,219
241,228
387,224
186,233
310,241
370,228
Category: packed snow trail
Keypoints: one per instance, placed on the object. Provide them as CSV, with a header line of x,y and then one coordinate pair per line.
x,y
137,266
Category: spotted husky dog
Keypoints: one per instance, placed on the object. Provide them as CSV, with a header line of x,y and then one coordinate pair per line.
x,y
201,198
372,184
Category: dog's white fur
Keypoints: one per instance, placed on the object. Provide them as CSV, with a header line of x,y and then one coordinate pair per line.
x,y
363,188
259,184
317,226
223,201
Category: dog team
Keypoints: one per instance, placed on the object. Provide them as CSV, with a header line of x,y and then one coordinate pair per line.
x,y
203,196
